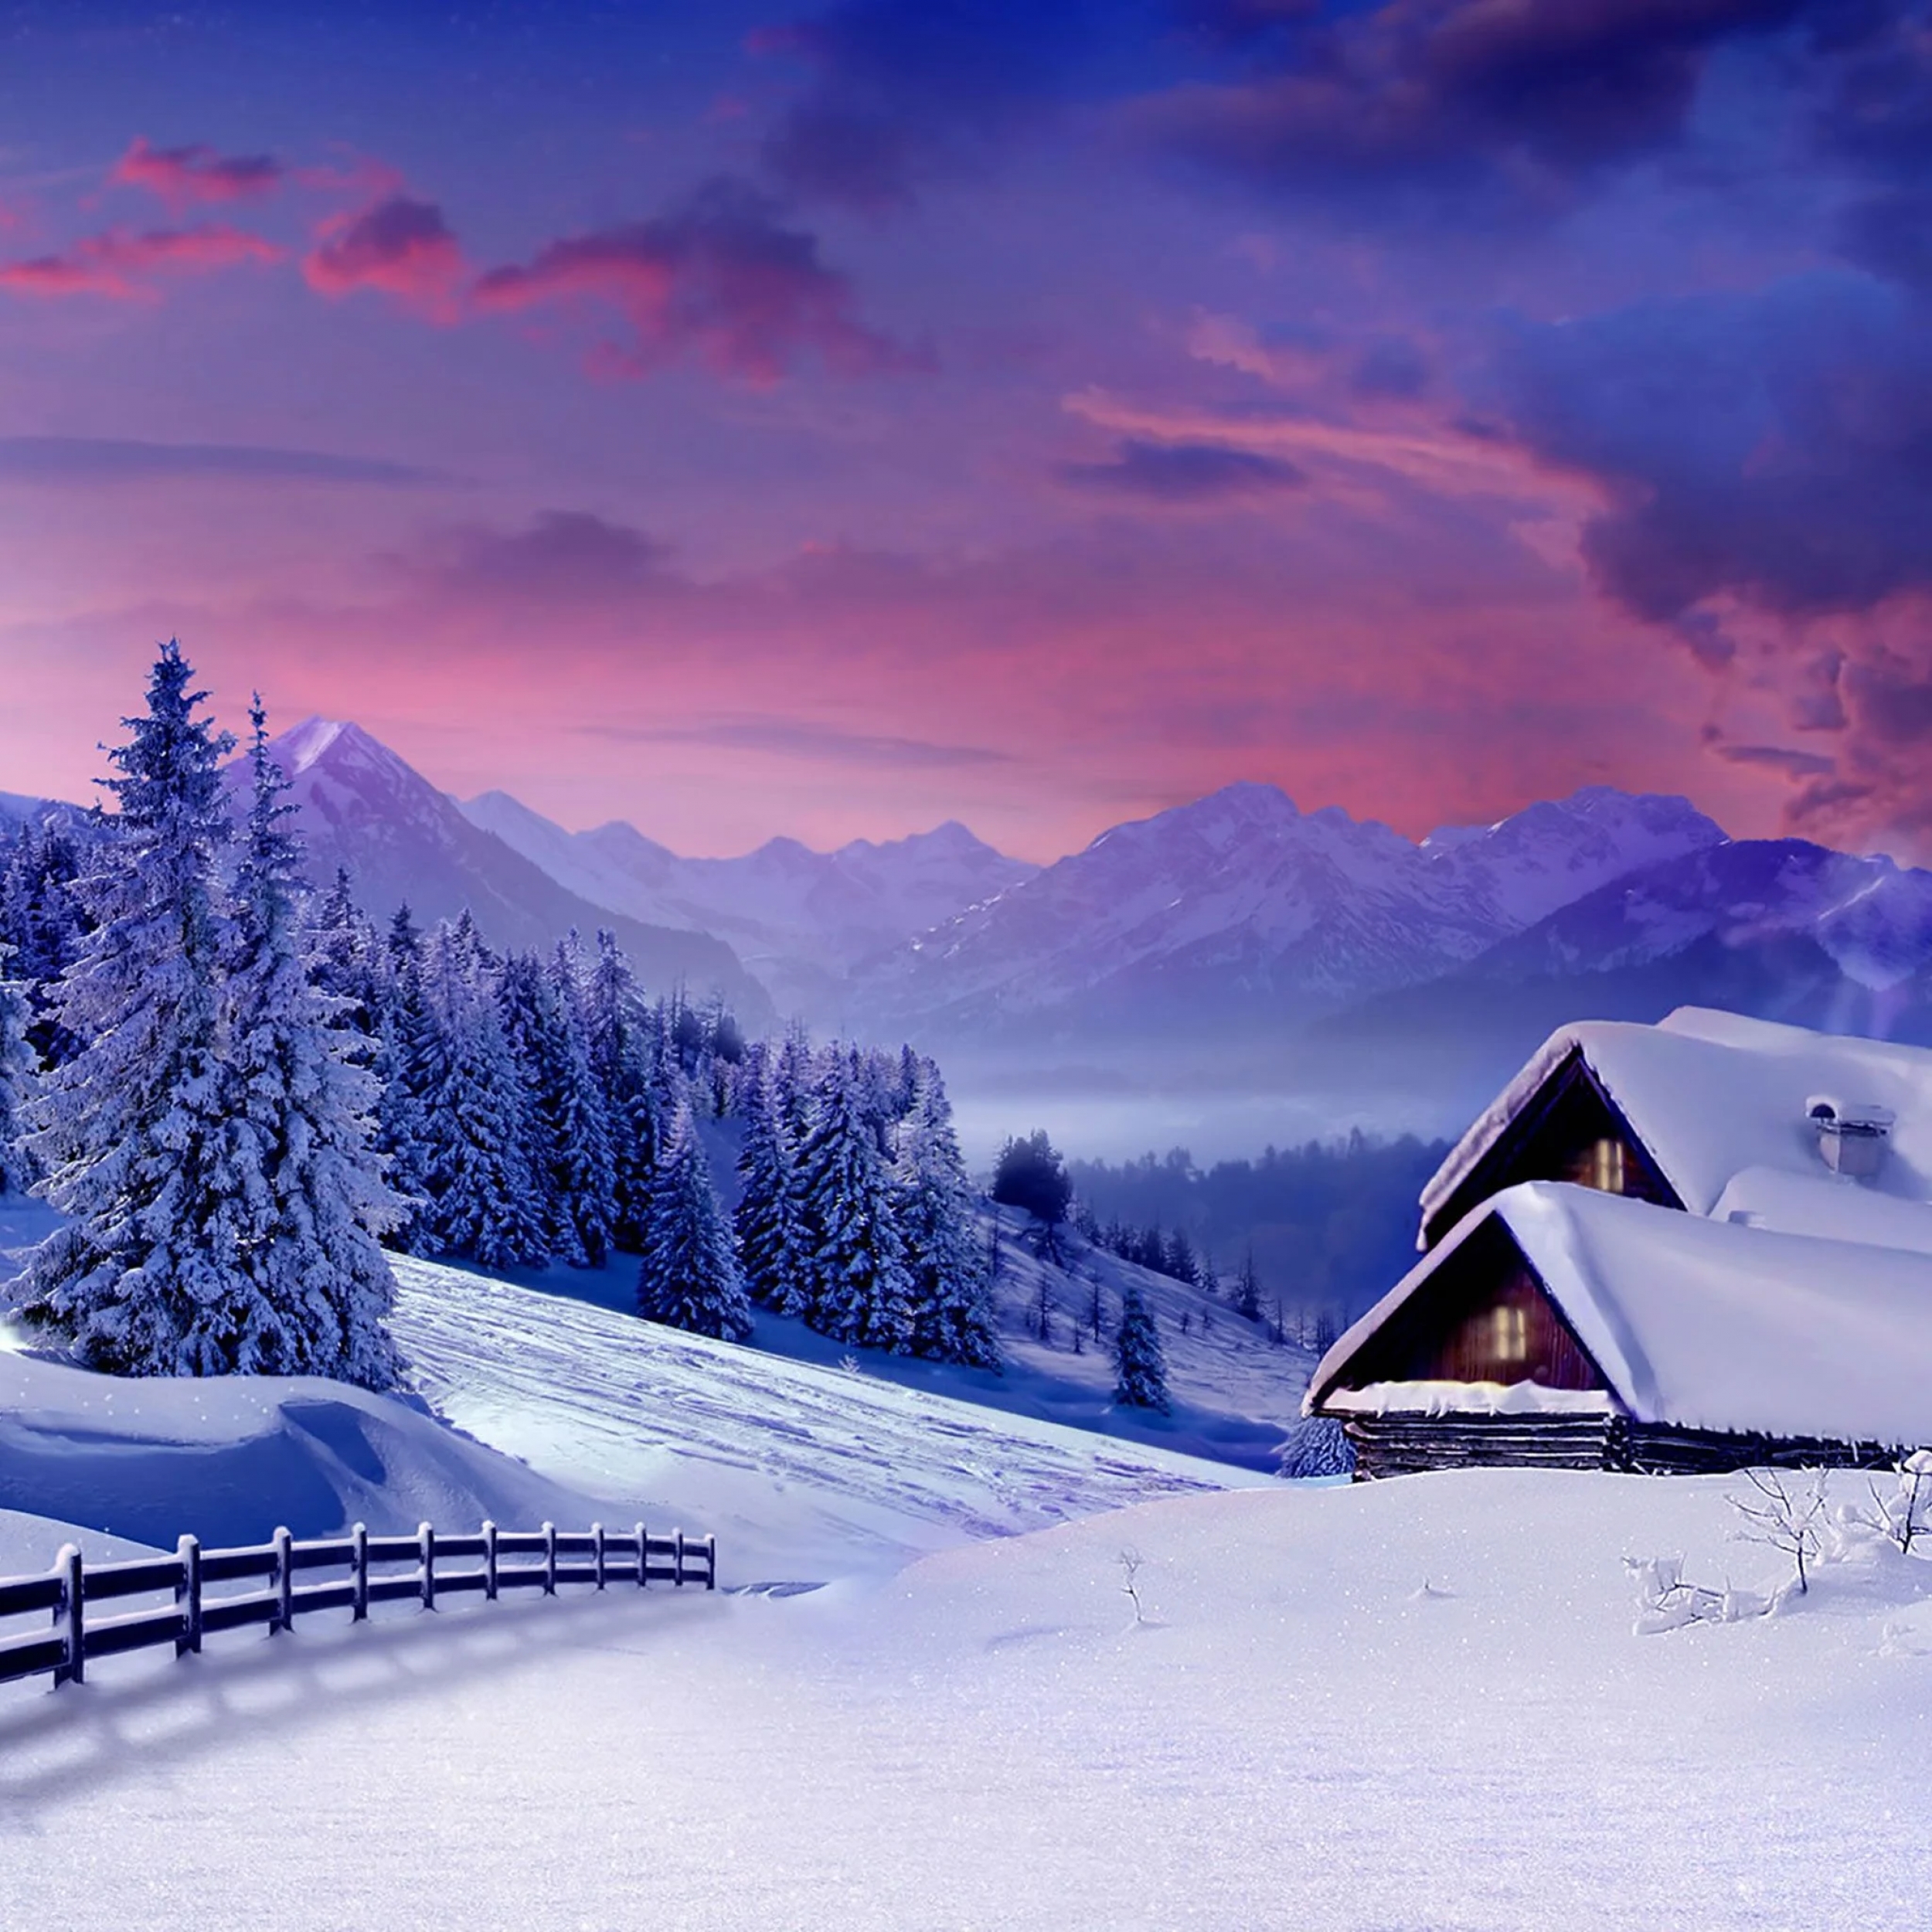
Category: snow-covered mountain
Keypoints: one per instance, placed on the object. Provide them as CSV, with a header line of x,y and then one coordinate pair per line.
x,y
1780,928
1240,909
800,920
403,841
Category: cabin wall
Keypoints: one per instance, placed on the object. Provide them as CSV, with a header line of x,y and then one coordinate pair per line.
x,y
1407,1443
1569,1131
1482,1317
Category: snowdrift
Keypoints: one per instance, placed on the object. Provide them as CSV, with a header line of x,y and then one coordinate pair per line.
x,y
229,1460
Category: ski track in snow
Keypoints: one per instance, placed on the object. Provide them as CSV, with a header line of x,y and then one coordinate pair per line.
x,y
649,1415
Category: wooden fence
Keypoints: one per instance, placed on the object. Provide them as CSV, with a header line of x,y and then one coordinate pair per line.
x,y
500,1560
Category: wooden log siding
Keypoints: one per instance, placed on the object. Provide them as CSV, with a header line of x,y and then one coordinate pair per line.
x,y
1399,1444
437,1565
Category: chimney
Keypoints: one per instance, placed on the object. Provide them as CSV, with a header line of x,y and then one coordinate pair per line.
x,y
1851,1138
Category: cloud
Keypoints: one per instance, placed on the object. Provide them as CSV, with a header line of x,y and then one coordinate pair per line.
x,y
801,738
89,459
1776,447
720,280
1496,107
905,92
398,246
561,556
1792,764
182,177
122,266
1184,475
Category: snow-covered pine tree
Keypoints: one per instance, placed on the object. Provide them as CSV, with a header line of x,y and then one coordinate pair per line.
x,y
41,916
16,1073
623,1050
688,1273
130,1134
954,1317
301,1096
769,1219
481,1201
858,1288
1140,1365
583,1172
406,1052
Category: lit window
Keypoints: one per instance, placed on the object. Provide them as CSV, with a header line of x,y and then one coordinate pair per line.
x,y
1509,1334
1606,1172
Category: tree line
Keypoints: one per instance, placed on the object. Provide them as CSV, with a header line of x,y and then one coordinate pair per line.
x,y
240,1094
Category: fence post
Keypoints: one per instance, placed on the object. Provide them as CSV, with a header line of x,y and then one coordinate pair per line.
x,y
71,1613
549,1559
643,1558
188,1595
489,1561
596,1552
426,1542
284,1618
677,1556
711,1562
358,1556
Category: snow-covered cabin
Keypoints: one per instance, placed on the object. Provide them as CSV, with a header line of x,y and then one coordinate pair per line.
x,y
1704,1244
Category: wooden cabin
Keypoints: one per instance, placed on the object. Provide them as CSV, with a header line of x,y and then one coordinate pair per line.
x,y
1650,1253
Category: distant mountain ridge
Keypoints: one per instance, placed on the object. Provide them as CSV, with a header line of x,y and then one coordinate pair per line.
x,y
405,843
1240,908
799,918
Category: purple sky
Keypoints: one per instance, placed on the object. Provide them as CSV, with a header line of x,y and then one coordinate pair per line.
x,y
742,420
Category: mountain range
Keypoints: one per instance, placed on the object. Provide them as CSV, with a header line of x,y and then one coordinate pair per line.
x,y
1233,941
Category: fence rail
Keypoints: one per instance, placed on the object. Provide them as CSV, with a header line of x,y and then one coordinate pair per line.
x,y
68,1592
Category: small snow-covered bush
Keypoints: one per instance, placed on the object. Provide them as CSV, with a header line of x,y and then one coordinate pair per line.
x,y
1901,1518
1316,1446
1664,1601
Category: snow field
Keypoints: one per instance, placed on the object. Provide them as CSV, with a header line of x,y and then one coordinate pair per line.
x,y
1418,1706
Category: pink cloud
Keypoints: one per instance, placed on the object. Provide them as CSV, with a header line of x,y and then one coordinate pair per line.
x,y
399,246
720,280
122,265
184,176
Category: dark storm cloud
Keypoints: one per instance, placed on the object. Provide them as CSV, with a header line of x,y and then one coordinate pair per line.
x,y
1183,474
1775,446
905,91
1479,105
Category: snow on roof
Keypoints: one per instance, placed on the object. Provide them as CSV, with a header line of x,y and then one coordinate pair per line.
x,y
1712,1323
1712,1094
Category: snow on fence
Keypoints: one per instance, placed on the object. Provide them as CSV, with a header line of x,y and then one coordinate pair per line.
x,y
71,1587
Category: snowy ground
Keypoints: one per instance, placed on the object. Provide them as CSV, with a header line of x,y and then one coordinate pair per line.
x,y
1416,1705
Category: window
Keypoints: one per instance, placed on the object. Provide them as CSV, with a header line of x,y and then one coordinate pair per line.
x,y
1601,1165
1509,1334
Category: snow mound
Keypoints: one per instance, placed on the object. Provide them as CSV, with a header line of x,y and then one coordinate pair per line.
x,y
230,1459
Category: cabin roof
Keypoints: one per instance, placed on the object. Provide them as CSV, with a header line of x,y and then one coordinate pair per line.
x,y
1707,1324
1714,1098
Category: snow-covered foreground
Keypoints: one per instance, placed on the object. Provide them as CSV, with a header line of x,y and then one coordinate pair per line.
x,y
1418,1704
803,1472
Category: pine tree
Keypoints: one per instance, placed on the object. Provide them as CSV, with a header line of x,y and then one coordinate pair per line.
x,y
1141,1368
16,1073
954,1318
130,1134
859,1287
301,1099
575,1121
688,1274
482,1201
770,1218
622,1047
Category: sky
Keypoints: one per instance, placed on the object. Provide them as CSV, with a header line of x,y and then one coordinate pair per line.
x,y
766,417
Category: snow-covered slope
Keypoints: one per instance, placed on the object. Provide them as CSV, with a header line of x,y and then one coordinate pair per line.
x,y
805,1471
403,841
1240,906
801,919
